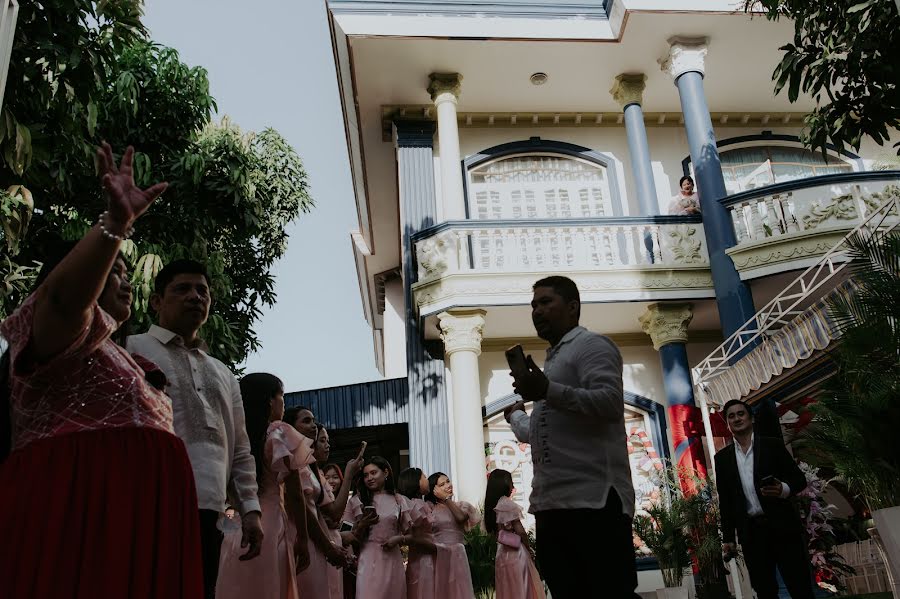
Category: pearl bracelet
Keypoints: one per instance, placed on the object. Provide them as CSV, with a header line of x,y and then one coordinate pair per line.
x,y
110,235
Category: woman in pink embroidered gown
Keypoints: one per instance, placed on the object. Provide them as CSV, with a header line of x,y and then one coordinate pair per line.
x,y
451,519
97,495
420,573
515,576
382,520
332,507
279,450
312,582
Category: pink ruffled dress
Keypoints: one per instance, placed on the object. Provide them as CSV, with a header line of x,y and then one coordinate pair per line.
x,y
272,573
515,576
452,574
379,574
335,575
420,574
313,581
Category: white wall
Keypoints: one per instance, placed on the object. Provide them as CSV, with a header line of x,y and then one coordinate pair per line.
x,y
394,330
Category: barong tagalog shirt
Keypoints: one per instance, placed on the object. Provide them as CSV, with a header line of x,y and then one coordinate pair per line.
x,y
577,433
209,418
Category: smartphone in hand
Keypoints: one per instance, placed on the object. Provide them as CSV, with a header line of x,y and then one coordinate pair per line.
x,y
518,365
767,481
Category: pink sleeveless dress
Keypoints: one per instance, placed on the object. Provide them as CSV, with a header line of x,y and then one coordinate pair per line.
x,y
272,573
335,575
313,581
515,576
420,581
380,574
452,575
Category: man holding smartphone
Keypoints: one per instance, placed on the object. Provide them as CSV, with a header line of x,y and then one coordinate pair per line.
x,y
582,496
755,476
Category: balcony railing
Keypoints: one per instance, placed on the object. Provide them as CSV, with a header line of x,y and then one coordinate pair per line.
x,y
815,205
553,245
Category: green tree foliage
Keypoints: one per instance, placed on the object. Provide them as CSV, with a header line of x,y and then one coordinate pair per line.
x,y
82,72
844,54
857,414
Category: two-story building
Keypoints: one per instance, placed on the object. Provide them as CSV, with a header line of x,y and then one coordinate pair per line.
x,y
494,143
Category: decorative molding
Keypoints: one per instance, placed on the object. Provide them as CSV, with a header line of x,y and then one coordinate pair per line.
x,y
785,249
842,207
685,246
629,88
436,255
686,54
529,120
461,330
440,85
666,323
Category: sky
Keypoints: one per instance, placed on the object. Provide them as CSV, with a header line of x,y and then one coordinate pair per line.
x,y
270,65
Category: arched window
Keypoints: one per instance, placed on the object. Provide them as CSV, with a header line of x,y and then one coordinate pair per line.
x,y
758,166
539,186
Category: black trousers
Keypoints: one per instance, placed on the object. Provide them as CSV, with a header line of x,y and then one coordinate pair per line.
x,y
769,544
587,554
210,548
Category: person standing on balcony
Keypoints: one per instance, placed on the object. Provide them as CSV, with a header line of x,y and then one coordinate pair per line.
x,y
209,413
582,497
755,476
686,202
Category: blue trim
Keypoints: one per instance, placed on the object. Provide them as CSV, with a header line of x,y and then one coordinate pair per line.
x,y
526,223
769,136
657,411
535,145
499,8
810,182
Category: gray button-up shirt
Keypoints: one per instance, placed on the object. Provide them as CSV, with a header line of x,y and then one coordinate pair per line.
x,y
577,433
209,418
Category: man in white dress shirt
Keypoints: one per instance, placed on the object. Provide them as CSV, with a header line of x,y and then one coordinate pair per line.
x,y
209,414
755,476
582,495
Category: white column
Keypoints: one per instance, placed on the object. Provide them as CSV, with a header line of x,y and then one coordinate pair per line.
x,y
461,331
444,89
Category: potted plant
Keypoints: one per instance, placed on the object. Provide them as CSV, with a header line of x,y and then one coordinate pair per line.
x,y
857,413
701,519
662,529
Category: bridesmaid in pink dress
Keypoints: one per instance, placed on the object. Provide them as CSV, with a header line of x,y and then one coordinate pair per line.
x,y
515,575
451,520
279,450
313,581
382,520
420,574
333,505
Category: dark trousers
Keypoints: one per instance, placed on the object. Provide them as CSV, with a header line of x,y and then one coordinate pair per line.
x,y
210,547
587,554
769,544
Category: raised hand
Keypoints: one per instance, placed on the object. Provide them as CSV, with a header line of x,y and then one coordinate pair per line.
x,y
126,200
355,465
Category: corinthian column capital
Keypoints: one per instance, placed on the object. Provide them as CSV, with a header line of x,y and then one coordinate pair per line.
x,y
444,84
686,54
629,88
461,330
666,323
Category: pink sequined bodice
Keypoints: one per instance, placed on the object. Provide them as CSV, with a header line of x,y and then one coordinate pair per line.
x,y
93,384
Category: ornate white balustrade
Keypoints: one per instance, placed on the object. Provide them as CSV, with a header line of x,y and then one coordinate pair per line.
x,y
504,246
789,225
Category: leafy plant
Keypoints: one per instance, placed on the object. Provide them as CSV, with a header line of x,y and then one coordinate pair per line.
x,y
701,520
662,529
84,71
857,414
481,549
844,55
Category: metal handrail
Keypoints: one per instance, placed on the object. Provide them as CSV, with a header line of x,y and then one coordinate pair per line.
x,y
783,308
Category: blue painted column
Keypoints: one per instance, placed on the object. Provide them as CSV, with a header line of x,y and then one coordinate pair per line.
x,y
429,424
685,64
628,92
667,326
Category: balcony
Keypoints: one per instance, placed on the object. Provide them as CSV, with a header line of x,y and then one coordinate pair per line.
x,y
495,262
789,226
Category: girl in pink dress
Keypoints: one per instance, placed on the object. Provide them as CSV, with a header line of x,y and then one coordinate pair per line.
x,y
382,522
279,450
333,505
451,520
515,576
420,574
312,582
